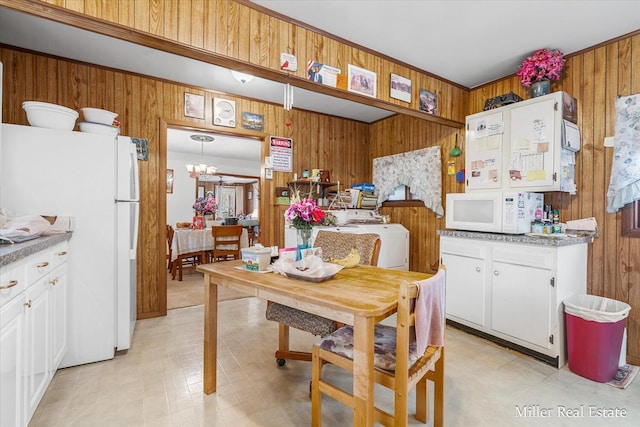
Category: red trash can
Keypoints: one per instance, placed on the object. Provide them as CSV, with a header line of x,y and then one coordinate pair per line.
x,y
595,327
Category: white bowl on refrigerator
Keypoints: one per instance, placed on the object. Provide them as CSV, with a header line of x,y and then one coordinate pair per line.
x,y
96,115
51,116
98,128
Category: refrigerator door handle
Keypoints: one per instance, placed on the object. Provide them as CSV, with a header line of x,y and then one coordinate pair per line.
x,y
136,180
133,250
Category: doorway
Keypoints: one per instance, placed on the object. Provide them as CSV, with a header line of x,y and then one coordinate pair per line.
x,y
238,159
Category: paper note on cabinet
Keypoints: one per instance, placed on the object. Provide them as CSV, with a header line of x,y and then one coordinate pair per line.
x,y
535,175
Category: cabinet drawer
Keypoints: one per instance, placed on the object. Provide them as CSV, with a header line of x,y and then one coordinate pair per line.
x,y
12,281
464,248
532,256
59,254
38,265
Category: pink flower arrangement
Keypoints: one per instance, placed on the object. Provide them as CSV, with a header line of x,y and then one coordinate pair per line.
x,y
204,206
544,64
304,214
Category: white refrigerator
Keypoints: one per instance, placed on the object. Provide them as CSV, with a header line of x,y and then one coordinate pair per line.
x,y
93,179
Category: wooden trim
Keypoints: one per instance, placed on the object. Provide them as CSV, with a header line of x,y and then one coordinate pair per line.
x,y
78,20
344,41
631,219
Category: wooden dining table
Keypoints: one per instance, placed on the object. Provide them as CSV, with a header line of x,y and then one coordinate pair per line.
x,y
360,296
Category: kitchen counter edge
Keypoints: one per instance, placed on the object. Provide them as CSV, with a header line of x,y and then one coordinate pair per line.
x,y
12,253
517,238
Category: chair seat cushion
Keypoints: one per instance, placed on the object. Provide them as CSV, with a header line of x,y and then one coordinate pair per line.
x,y
299,319
341,342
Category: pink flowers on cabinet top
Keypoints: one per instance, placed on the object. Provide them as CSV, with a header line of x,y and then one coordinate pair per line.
x,y
544,64
204,206
304,214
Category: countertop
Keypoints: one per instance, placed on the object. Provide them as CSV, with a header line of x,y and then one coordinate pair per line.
x,y
12,253
522,239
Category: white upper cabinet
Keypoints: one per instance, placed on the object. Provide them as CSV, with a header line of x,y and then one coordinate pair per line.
x,y
526,146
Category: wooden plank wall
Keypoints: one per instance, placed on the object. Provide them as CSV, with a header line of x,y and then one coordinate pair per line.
x,y
240,30
400,134
320,141
595,77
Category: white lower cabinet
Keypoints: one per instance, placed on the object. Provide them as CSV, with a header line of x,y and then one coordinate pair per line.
x,y
32,331
37,372
11,361
514,292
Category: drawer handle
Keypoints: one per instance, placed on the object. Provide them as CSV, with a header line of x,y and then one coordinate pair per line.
x,y
62,253
43,264
496,273
53,282
478,269
11,284
27,304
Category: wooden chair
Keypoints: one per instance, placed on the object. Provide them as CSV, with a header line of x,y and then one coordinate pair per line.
x,y
226,242
334,245
186,260
169,243
398,364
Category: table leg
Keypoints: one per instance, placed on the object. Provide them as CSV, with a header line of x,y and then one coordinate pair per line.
x,y
210,335
363,329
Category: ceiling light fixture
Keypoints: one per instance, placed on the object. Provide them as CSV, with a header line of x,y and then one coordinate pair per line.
x,y
241,77
202,168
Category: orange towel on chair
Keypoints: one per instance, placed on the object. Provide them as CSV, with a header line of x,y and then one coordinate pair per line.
x,y
430,312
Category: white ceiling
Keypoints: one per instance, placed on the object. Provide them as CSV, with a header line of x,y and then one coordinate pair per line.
x,y
467,42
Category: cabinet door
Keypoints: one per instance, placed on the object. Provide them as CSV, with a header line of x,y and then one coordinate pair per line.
x,y
484,145
521,302
11,359
58,323
465,288
37,354
532,145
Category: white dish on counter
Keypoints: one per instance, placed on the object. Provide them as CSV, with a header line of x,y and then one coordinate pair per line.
x,y
51,116
90,127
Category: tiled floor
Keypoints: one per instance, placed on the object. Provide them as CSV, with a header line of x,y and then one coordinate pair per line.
x,y
159,382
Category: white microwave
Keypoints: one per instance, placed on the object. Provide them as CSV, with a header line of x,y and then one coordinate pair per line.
x,y
494,212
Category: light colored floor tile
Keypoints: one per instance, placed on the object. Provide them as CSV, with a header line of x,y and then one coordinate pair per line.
x,y
158,382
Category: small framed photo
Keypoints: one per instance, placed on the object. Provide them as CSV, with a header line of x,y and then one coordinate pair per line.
x,y
200,191
252,121
362,81
169,181
194,105
400,88
428,102
142,148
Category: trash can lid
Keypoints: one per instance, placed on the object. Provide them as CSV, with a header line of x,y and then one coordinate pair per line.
x,y
596,308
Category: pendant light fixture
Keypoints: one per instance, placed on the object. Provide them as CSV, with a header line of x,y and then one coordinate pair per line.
x,y
196,170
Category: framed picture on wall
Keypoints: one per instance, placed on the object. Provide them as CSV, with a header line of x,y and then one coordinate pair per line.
x,y
169,181
362,81
252,121
428,102
400,88
194,105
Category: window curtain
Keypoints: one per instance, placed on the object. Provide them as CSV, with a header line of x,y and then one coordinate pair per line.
x,y
624,185
420,170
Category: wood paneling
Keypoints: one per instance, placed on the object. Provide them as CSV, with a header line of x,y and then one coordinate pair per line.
x,y
595,77
400,134
142,105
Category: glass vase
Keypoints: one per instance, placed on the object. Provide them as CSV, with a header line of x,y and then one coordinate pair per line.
x,y
540,88
303,236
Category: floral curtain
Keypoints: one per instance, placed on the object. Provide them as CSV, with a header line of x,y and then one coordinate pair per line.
x,y
420,170
624,186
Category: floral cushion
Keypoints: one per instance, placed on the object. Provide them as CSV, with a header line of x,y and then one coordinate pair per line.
x,y
299,319
341,342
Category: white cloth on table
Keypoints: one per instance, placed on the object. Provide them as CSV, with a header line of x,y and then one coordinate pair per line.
x,y
186,241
